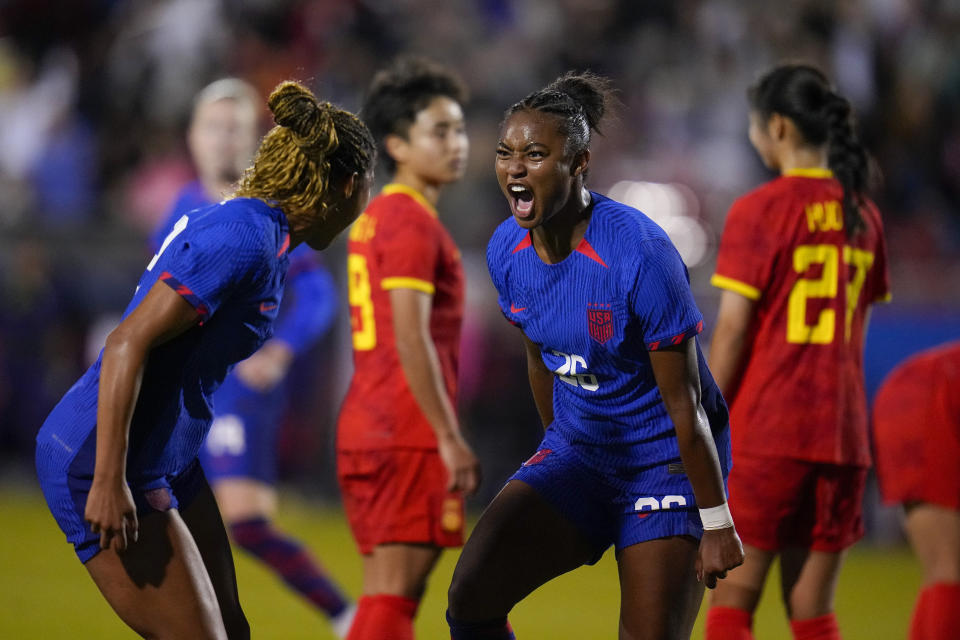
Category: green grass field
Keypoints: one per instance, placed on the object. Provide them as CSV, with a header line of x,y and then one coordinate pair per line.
x,y
46,593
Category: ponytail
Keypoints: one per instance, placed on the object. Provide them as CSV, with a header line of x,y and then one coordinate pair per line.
x,y
580,99
848,160
803,94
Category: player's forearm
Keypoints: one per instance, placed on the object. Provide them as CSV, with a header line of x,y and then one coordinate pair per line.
x,y
421,368
699,454
121,371
677,373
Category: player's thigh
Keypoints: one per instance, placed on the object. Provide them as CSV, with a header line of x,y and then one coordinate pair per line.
x,y
934,533
202,517
399,569
659,591
742,587
809,581
159,585
520,542
241,498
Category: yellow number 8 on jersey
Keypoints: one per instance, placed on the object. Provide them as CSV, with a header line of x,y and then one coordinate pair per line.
x,y
361,304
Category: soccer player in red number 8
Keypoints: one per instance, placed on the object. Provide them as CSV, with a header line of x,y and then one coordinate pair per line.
x,y
402,462
916,434
801,260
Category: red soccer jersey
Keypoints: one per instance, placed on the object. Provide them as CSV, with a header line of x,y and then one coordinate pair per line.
x,y
398,242
916,427
801,393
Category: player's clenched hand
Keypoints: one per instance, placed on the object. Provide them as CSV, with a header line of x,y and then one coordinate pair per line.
x,y
111,513
463,468
720,551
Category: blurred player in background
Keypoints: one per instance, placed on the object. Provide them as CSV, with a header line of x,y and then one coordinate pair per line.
x,y
117,457
916,429
801,260
402,461
239,456
636,431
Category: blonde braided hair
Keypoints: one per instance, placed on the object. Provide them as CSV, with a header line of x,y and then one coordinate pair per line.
x,y
296,159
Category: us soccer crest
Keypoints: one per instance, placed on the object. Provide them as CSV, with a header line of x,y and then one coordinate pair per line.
x,y
600,322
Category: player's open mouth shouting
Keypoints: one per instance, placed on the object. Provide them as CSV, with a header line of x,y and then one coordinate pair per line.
x,y
521,200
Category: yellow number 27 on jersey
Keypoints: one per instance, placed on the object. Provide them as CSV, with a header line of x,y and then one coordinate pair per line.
x,y
826,286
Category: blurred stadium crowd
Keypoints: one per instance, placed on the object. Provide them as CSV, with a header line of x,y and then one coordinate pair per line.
x,y
95,96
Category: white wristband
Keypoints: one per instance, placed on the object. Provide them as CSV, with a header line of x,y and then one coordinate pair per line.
x,y
714,518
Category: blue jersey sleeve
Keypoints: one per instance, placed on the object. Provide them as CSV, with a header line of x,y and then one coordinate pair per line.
x,y
208,266
661,299
309,305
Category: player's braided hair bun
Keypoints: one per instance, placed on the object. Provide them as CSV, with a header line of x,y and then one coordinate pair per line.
x,y
590,91
580,98
313,144
309,122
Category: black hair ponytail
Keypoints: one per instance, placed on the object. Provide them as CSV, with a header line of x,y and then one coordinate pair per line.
x,y
848,160
803,94
581,99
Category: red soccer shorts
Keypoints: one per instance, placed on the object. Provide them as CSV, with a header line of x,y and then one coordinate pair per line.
x,y
917,462
399,496
782,502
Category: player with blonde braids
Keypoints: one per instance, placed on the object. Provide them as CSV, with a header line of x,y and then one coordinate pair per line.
x,y
117,457
240,453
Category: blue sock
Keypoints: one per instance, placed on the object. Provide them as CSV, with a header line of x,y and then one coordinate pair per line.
x,y
291,562
497,629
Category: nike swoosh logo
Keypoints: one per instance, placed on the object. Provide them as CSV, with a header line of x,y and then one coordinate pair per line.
x,y
514,309
264,307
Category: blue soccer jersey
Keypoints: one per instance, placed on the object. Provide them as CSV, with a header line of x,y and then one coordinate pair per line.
x,y
229,261
596,315
242,441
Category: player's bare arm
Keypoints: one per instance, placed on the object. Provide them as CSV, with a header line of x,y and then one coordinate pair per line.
x,y
162,315
421,367
676,372
728,346
541,381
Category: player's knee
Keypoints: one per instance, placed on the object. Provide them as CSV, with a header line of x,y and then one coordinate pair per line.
x,y
466,597
804,606
458,595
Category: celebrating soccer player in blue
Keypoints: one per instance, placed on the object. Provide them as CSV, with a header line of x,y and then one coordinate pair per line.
x,y
117,457
239,456
637,443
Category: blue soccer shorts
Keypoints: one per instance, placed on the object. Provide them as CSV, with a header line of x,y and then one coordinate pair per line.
x,y
66,496
622,511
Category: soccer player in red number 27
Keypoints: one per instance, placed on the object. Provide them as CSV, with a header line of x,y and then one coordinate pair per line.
x,y
801,259
916,435
402,462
